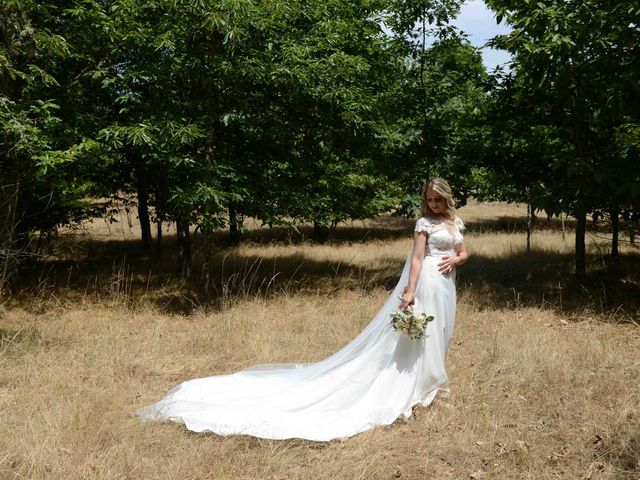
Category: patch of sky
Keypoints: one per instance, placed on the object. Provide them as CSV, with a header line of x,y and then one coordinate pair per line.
x,y
479,23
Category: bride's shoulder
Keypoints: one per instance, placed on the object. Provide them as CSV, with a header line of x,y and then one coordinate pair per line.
x,y
459,223
424,224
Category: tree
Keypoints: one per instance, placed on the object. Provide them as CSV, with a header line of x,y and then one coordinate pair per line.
x,y
39,189
564,54
436,118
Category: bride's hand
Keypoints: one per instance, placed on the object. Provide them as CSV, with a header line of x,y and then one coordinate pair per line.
x,y
447,264
407,298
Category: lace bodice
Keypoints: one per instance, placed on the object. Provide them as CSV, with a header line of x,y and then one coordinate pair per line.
x,y
443,239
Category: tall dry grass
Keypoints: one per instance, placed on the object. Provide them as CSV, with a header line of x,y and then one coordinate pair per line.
x,y
538,389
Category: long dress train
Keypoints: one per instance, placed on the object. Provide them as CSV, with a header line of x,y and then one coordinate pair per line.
x,y
376,378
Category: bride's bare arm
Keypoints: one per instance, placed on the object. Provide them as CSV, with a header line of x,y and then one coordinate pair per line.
x,y
419,245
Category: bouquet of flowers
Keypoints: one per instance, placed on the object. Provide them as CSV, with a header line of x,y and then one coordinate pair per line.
x,y
406,321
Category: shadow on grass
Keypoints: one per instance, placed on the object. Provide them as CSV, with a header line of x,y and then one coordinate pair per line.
x,y
611,287
382,228
390,228
122,272
509,224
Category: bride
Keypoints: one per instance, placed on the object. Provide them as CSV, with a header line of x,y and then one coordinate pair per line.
x,y
379,376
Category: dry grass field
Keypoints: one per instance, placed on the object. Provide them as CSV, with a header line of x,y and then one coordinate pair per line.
x,y
544,370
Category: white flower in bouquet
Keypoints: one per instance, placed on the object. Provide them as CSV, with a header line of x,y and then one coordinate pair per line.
x,y
410,323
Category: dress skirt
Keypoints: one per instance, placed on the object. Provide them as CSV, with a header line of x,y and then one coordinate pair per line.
x,y
375,379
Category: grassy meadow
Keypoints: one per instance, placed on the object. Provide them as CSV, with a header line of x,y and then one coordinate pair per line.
x,y
544,370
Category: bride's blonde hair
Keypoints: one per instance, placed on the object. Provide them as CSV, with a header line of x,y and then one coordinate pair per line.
x,y
440,186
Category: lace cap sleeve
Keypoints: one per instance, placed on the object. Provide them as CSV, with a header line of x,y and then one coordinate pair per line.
x,y
423,225
460,224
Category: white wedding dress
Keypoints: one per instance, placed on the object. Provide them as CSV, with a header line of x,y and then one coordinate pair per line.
x,y
379,376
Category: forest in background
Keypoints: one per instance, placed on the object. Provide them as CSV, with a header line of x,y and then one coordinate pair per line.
x,y
206,113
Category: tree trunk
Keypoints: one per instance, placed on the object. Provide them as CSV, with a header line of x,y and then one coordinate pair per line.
x,y
579,147
143,215
580,255
9,203
529,225
234,231
615,230
321,232
184,249
159,239
159,204
143,200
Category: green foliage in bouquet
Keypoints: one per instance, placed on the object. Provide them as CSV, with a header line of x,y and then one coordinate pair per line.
x,y
410,323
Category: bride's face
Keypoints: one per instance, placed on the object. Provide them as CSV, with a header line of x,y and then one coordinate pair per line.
x,y
436,202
